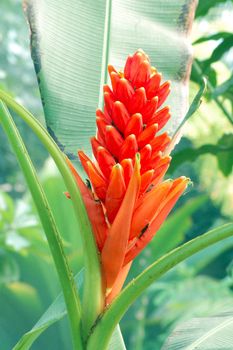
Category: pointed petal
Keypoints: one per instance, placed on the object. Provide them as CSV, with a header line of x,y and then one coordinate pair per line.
x,y
118,283
160,170
134,125
138,58
95,144
120,116
113,253
153,85
137,101
150,204
109,100
161,117
143,74
127,67
84,159
149,109
178,188
114,140
105,161
94,209
101,125
147,135
145,155
114,80
129,148
146,179
160,142
127,165
163,92
124,90
104,116
98,182
115,192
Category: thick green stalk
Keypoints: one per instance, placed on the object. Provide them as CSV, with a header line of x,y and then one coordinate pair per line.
x,y
92,289
105,327
53,236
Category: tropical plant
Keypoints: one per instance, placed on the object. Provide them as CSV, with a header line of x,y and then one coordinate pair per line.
x,y
129,203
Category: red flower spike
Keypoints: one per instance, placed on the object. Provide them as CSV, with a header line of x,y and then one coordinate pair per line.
x,y
115,193
113,253
134,126
129,199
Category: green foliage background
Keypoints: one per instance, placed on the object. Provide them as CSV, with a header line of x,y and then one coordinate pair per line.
x,y
200,286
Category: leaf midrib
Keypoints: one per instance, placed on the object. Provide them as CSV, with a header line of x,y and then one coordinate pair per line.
x,y
210,333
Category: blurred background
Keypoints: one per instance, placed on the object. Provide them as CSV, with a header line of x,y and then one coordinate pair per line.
x,y
200,286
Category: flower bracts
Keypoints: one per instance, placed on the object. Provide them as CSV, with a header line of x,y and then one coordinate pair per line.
x,y
128,201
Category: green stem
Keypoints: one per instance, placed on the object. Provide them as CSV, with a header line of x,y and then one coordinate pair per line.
x,y
198,69
104,328
53,236
92,280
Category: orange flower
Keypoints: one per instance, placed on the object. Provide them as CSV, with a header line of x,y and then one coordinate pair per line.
x,y
128,199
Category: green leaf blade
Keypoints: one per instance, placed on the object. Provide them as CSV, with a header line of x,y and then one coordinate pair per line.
x,y
203,333
72,42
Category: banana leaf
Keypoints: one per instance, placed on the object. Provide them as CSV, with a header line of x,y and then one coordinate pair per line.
x,y
73,41
215,332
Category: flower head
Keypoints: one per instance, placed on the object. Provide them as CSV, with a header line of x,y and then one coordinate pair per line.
x,y
128,199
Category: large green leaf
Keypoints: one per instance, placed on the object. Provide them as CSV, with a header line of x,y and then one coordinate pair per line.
x,y
214,332
56,312
72,42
